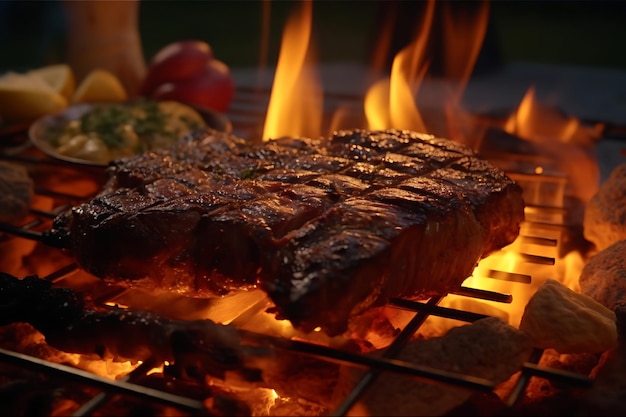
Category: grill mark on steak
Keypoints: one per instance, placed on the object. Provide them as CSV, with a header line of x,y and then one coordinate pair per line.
x,y
327,227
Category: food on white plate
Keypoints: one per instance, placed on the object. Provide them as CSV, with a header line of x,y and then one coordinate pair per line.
x,y
559,318
489,349
604,221
327,227
188,71
16,192
603,278
109,131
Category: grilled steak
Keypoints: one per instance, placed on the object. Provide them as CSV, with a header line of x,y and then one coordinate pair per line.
x,y
327,227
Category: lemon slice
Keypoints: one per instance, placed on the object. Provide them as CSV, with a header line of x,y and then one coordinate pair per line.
x,y
25,97
60,77
98,86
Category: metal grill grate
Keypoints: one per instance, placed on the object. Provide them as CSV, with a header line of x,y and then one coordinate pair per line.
x,y
539,241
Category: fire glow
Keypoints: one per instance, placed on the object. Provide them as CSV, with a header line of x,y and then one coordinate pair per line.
x,y
391,102
296,108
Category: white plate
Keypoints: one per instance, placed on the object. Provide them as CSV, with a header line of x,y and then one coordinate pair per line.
x,y
39,131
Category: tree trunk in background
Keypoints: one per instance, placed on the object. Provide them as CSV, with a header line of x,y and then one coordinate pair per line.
x,y
104,34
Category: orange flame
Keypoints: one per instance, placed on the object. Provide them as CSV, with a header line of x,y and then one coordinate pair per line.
x,y
295,106
567,142
392,102
464,35
539,123
296,101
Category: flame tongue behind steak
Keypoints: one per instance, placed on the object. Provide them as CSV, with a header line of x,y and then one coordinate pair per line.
x,y
327,227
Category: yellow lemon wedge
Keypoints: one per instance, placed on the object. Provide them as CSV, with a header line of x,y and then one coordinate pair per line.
x,y
59,76
26,97
99,86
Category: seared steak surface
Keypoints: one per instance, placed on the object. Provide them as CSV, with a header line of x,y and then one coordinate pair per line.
x,y
327,227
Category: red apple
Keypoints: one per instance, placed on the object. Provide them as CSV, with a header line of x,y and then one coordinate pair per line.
x,y
176,61
212,88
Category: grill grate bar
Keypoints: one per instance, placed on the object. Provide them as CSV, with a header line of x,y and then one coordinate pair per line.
x,y
558,375
393,350
121,387
523,380
529,369
61,273
436,310
21,232
484,294
102,297
100,399
386,363
537,259
537,240
509,276
46,214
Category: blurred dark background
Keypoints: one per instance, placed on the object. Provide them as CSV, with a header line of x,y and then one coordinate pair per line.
x,y
580,33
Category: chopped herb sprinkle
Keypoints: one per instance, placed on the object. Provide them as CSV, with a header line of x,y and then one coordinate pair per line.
x,y
114,130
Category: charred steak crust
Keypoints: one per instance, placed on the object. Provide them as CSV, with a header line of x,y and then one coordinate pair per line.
x,y
327,227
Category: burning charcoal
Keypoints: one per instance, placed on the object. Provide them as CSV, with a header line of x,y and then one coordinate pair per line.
x,y
603,222
620,313
218,401
33,395
489,348
559,318
603,278
480,404
607,397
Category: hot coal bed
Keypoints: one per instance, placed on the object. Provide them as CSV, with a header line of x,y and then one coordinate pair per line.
x,y
204,379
